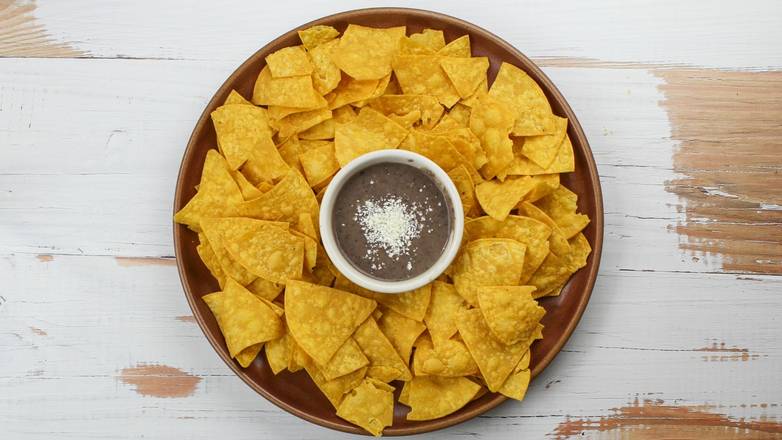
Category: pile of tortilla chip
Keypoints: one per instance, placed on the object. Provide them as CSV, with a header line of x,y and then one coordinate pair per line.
x,y
314,108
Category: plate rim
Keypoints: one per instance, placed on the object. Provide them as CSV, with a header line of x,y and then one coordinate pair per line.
x,y
597,221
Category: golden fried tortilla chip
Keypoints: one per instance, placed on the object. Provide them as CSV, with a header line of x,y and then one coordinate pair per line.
x,y
432,397
459,47
466,74
463,182
319,163
321,131
288,199
350,91
244,319
370,131
270,253
528,231
347,359
432,39
335,389
298,122
495,359
564,161
543,149
510,312
294,91
248,355
369,405
422,75
278,351
326,76
314,36
385,364
544,184
289,61
444,307
557,242
428,106
499,198
217,193
437,148
365,53
516,385
561,206
209,258
446,357
235,98
491,121
214,230
249,191
321,319
401,331
526,99
487,262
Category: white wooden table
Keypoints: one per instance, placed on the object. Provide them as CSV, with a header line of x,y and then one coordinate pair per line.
x,y
681,101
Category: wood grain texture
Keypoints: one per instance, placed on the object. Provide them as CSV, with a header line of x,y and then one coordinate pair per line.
x,y
21,35
90,149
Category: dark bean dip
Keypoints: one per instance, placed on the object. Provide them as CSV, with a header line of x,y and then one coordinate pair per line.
x,y
392,221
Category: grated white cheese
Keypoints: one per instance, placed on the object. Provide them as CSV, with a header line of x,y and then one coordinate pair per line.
x,y
389,224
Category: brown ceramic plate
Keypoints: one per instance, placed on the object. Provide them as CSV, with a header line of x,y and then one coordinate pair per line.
x,y
294,392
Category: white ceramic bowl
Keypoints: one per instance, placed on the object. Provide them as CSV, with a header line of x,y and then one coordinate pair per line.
x,y
391,156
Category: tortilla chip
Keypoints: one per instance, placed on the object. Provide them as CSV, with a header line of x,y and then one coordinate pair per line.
x,y
422,75
265,289
466,74
294,91
214,230
510,312
459,47
404,395
326,76
288,199
499,198
249,191
240,129
278,351
350,91
298,122
495,359
463,182
321,319
428,106
209,258
557,241
335,389
516,385
401,331
217,193
365,53
248,355
491,121
289,61
319,163
432,39
468,145
474,99
244,319
561,206
235,98
526,99
528,231
543,185
321,131
446,357
564,161
370,131
369,406
432,397
269,252
385,364
436,148
543,149
314,36
347,359
443,309
487,262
